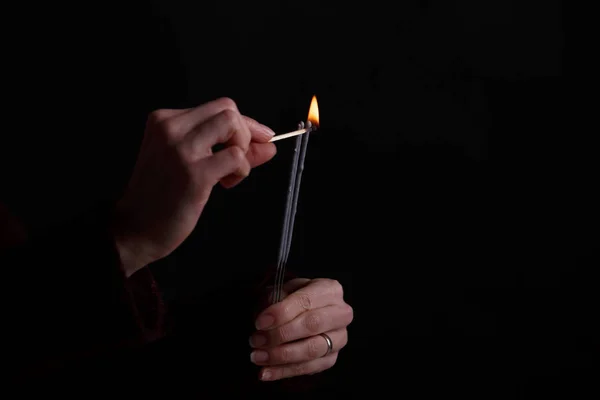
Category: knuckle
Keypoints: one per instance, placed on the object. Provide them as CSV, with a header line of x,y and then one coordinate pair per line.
x,y
304,301
230,116
313,323
336,288
167,127
188,154
283,354
285,313
157,116
349,311
227,104
283,335
313,347
237,155
298,369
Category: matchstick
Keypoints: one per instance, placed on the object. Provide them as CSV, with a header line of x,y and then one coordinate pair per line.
x,y
288,135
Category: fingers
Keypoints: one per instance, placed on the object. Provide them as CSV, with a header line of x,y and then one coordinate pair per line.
x,y
317,294
190,125
260,153
307,324
260,133
189,119
288,287
300,351
305,368
181,121
225,127
163,114
195,131
185,120
257,154
227,162
288,341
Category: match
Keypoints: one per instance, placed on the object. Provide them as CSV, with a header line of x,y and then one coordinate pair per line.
x,y
288,135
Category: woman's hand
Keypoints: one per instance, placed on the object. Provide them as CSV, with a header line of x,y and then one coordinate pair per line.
x,y
294,336
175,172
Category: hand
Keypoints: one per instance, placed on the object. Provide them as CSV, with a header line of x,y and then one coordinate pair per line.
x,y
175,172
288,341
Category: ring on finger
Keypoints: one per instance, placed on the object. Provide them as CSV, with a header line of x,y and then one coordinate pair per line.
x,y
329,343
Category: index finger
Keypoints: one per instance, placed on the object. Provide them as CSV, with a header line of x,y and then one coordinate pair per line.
x,y
186,120
260,133
317,294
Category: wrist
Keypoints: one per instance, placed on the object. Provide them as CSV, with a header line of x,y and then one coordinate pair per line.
x,y
129,260
129,249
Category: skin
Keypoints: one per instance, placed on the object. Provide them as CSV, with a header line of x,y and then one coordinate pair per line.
x,y
175,172
171,183
287,341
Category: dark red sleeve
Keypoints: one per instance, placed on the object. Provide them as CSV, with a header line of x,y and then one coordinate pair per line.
x,y
148,303
65,296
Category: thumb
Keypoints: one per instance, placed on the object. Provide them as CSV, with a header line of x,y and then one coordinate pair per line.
x,y
260,133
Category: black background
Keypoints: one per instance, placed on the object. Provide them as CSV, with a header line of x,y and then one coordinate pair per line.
x,y
436,190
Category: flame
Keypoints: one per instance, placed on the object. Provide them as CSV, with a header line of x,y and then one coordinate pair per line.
x,y
313,112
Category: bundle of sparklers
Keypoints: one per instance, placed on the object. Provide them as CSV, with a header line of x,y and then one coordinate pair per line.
x,y
291,205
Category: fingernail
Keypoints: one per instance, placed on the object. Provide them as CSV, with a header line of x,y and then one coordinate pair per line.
x,y
257,340
266,375
259,356
268,131
264,322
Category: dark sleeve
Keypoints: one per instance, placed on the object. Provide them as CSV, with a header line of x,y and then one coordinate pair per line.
x,y
65,296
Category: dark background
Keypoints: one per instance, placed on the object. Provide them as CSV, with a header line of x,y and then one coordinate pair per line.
x,y
437,189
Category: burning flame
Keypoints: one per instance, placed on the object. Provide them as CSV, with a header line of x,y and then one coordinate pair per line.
x,y
313,112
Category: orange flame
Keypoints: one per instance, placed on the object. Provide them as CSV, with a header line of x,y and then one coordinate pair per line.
x,y
313,112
